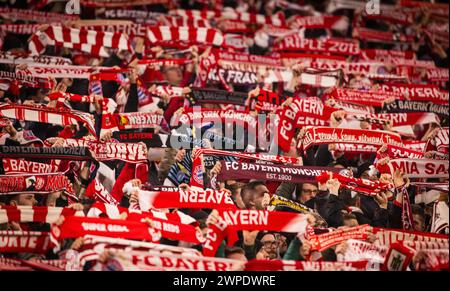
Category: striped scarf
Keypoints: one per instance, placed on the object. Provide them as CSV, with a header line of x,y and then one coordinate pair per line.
x,y
44,214
59,116
191,35
89,41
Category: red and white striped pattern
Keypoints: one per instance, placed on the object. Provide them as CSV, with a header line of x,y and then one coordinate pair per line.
x,y
60,116
34,213
89,41
35,16
185,21
20,28
193,35
121,3
113,212
276,20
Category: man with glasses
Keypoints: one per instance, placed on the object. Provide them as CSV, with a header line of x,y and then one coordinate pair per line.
x,y
308,191
269,247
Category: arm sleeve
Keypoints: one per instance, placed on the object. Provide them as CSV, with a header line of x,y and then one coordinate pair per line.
x,y
395,216
285,190
292,253
132,101
220,253
250,251
323,156
126,175
329,207
380,218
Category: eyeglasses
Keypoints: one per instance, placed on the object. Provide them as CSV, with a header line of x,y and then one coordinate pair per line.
x,y
309,191
269,243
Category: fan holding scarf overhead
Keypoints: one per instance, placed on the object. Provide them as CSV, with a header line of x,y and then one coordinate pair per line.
x,y
224,135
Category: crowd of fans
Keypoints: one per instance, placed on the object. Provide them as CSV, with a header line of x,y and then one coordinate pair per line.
x,y
122,81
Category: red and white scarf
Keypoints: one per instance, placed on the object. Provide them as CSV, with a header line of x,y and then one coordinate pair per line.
x,y
98,192
191,35
244,219
323,241
276,20
59,116
121,3
402,119
89,41
34,183
74,227
365,186
143,261
170,225
387,236
181,21
369,98
350,107
282,265
10,58
333,46
43,214
418,92
23,79
16,166
56,71
212,199
385,55
24,242
420,168
301,111
328,135
440,142
374,35
357,250
131,120
19,28
107,151
319,21
35,16
395,152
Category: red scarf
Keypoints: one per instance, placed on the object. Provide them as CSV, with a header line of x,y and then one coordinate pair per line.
x,y
364,186
282,265
124,260
333,46
369,98
15,166
186,199
59,116
24,214
89,41
169,228
187,34
264,220
34,183
419,92
24,242
24,79
300,112
74,226
35,16
418,168
328,135
107,151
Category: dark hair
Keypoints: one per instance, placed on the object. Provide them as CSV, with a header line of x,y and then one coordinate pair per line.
x,y
234,250
251,186
416,209
348,216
